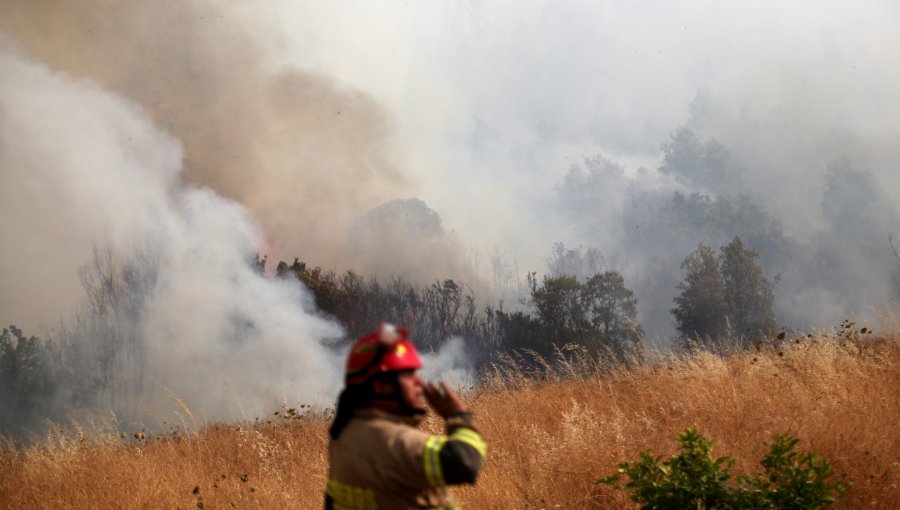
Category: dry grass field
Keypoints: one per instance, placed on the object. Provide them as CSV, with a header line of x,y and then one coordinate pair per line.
x,y
547,439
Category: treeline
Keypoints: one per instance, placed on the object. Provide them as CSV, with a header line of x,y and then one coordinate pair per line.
x,y
724,297
599,313
95,361
99,362
577,307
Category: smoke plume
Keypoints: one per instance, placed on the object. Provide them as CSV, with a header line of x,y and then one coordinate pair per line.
x,y
85,171
305,155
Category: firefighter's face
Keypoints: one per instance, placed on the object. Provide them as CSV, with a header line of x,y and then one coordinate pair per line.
x,y
412,389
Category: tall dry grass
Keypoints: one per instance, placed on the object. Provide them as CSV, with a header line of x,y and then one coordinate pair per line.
x,y
548,439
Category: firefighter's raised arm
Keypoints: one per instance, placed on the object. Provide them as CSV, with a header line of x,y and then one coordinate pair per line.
x,y
461,453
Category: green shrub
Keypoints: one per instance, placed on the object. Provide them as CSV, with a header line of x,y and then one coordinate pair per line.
x,y
695,479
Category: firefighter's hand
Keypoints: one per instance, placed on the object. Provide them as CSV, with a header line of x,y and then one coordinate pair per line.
x,y
443,400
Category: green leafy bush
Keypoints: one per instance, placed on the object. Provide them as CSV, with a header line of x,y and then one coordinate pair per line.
x,y
695,479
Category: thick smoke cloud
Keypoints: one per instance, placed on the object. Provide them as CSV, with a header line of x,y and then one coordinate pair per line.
x,y
407,238
84,169
521,91
304,154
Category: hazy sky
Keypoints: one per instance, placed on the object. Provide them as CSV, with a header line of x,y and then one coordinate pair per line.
x,y
494,100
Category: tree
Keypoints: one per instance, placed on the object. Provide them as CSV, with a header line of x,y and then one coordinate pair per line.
x,y
578,262
706,166
518,330
601,312
701,306
724,295
851,260
612,310
749,296
27,384
442,302
323,284
557,301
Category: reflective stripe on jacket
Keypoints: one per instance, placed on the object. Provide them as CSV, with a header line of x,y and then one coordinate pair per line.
x,y
382,461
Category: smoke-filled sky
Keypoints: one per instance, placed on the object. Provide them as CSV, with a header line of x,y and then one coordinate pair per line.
x,y
311,114
494,100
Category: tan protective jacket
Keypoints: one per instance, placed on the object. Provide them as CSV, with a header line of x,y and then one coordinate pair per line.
x,y
383,462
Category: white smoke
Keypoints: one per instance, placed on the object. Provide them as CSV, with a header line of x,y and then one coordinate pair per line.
x,y
82,167
499,98
450,364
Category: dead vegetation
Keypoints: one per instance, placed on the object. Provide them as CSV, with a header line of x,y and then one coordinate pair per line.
x,y
548,439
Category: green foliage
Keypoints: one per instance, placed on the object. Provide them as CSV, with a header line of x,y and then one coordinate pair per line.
x,y
696,479
724,296
599,312
701,309
26,379
517,330
596,312
749,295
611,310
795,480
558,305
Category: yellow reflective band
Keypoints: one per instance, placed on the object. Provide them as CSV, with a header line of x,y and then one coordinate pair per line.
x,y
433,472
471,438
349,497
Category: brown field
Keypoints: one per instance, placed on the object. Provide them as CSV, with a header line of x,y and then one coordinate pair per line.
x,y
547,440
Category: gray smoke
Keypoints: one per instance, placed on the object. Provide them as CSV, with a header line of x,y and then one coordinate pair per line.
x,y
150,150
502,98
306,155
83,167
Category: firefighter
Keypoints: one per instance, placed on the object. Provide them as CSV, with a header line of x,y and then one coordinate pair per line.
x,y
378,457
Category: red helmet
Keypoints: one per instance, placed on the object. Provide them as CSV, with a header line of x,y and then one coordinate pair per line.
x,y
385,350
